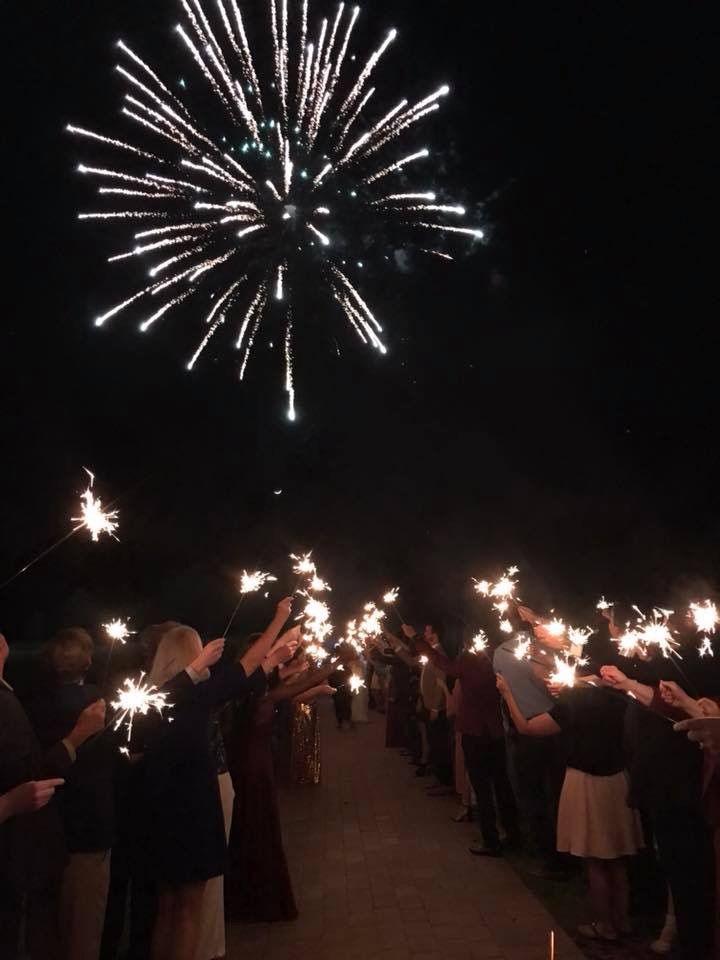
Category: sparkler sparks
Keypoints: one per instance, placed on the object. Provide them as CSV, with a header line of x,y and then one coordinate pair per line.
x,y
391,596
136,698
502,592
706,618
252,582
565,673
92,516
479,642
270,152
522,649
356,683
648,632
118,630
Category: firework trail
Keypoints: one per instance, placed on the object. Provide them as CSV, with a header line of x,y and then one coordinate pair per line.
x,y
257,179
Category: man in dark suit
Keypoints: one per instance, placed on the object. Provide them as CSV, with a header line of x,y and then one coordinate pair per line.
x,y
32,847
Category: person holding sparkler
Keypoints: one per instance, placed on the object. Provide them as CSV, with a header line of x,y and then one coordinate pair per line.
x,y
183,827
32,849
258,888
480,723
595,822
538,763
666,780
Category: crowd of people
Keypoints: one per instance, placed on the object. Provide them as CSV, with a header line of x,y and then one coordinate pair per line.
x,y
140,842
604,770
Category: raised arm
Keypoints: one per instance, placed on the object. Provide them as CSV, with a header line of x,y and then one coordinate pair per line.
x,y
616,679
261,648
541,726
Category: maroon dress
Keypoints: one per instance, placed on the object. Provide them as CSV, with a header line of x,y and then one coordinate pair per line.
x,y
258,888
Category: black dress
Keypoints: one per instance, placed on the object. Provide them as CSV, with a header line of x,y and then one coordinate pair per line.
x,y
178,800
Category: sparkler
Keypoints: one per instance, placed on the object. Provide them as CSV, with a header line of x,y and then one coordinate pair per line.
x,y
118,630
136,698
604,604
706,618
355,683
92,516
479,642
390,598
502,592
271,153
565,673
424,660
252,582
522,649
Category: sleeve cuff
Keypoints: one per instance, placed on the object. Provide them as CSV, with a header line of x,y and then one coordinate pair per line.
x,y
70,749
197,677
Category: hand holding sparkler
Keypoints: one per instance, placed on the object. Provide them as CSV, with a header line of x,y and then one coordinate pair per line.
x,y
210,655
674,696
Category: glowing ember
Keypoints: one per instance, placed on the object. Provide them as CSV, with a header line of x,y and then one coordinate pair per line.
x,y
92,516
317,652
391,596
252,582
556,628
117,630
480,642
424,660
136,698
604,604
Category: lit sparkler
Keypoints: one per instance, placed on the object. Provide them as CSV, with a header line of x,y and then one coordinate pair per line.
x,y
479,642
267,154
355,683
604,604
252,582
502,592
136,698
92,516
706,618
565,673
424,660
391,596
118,630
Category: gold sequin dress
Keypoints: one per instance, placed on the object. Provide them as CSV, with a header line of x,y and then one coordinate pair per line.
x,y
304,744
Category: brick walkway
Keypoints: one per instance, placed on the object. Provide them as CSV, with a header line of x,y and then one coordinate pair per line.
x,y
382,873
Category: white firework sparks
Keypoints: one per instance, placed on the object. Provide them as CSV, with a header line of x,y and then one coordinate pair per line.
x,y
479,642
649,632
391,596
252,582
118,630
92,516
135,698
268,152
502,592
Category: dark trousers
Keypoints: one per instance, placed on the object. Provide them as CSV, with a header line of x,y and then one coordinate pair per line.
x,y
539,766
487,769
685,848
440,752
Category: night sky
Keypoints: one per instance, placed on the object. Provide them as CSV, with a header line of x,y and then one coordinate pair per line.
x,y
549,400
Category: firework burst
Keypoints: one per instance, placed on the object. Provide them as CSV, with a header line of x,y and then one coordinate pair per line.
x,y
261,175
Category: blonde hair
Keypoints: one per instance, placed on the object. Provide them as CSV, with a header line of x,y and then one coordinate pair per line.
x,y
176,651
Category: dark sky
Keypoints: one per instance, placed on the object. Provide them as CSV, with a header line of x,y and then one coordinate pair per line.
x,y
548,401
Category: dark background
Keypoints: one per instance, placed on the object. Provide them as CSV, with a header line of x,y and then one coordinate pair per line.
x,y
548,401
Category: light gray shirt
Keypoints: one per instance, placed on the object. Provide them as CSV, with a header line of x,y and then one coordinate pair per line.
x,y
529,691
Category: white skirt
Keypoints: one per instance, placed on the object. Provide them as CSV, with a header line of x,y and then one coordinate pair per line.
x,y
594,819
211,942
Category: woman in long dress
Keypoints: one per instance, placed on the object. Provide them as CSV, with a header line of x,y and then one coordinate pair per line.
x,y
258,888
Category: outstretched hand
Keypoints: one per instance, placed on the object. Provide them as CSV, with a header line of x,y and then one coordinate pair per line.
x,y
702,730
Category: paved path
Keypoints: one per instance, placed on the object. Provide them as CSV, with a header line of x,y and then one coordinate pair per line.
x,y
382,873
